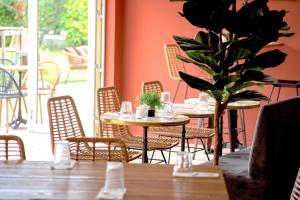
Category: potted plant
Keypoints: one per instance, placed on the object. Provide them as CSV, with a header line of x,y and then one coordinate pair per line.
x,y
227,47
152,99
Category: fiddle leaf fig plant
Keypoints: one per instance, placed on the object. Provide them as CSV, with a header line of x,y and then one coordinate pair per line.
x,y
228,48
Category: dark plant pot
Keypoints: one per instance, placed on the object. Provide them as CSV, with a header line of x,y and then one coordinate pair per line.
x,y
151,113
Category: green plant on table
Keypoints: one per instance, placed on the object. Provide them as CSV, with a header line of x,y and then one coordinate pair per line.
x,y
227,47
152,99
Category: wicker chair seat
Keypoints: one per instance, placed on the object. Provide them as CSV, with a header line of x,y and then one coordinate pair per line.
x,y
176,132
136,142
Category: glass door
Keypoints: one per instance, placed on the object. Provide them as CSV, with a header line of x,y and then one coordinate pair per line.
x,y
50,36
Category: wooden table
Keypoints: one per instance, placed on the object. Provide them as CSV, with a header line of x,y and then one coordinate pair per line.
x,y
35,180
114,118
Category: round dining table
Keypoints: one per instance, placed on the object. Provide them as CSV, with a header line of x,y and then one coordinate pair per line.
x,y
115,118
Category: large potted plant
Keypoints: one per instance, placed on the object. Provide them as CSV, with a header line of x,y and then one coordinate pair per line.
x,y
228,46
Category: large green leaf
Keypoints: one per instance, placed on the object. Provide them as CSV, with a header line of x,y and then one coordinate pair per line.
x,y
206,60
236,54
207,14
201,65
188,44
196,82
248,95
210,39
268,59
252,75
239,87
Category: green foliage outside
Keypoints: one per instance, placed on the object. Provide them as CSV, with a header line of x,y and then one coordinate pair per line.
x,y
151,99
75,21
55,16
50,12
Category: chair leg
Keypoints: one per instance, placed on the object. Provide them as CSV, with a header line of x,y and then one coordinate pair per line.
x,y
278,93
169,158
162,153
271,94
152,156
25,105
188,145
195,147
67,76
14,110
176,91
41,111
0,112
186,91
204,148
6,115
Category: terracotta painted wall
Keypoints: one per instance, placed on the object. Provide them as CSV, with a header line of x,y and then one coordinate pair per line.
x,y
140,28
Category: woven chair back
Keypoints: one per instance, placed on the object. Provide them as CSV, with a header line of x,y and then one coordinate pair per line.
x,y
174,64
152,86
296,190
11,148
108,100
64,120
100,149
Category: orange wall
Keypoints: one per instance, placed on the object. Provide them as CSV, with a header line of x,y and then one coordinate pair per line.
x,y
140,28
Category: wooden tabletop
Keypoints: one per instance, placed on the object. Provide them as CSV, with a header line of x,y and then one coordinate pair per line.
x,y
114,118
36,180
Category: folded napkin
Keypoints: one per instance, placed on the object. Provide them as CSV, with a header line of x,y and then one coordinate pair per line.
x,y
113,194
197,174
111,114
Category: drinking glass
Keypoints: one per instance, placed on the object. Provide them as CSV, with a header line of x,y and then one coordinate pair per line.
x,y
141,111
203,101
165,97
126,109
62,158
183,162
114,179
168,111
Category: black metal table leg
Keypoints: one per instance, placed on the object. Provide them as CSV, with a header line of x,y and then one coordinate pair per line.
x,y
183,138
145,147
16,123
221,135
232,126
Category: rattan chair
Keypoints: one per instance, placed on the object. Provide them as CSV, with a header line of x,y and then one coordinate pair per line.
x,y
175,66
176,132
11,148
77,57
108,100
49,76
65,123
101,148
296,190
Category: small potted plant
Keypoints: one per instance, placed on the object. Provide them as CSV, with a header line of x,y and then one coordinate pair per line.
x,y
152,99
